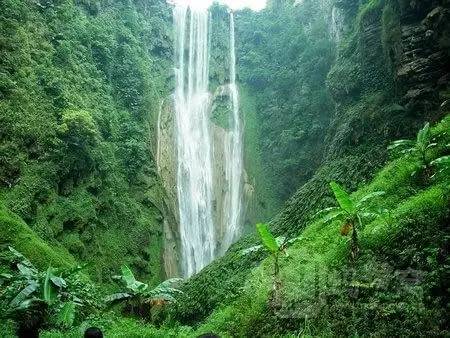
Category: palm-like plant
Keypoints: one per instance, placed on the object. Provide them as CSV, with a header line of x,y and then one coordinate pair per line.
x,y
276,247
139,297
352,214
32,296
418,148
442,165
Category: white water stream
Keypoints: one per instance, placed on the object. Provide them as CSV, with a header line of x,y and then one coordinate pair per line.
x,y
195,186
233,155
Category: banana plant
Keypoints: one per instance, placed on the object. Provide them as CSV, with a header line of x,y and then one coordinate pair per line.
x,y
442,165
418,147
276,247
350,213
31,295
271,244
138,296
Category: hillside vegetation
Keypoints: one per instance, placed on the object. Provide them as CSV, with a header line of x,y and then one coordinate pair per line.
x,y
345,106
80,88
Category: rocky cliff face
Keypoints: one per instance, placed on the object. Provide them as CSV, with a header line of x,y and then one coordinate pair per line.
x,y
423,66
166,150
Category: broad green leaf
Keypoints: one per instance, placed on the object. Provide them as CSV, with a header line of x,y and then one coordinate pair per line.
x,y
127,275
26,304
58,281
170,282
164,291
325,211
441,161
6,275
23,260
48,291
334,215
251,249
293,240
369,197
131,282
160,296
343,198
423,136
117,297
267,238
370,215
26,271
24,294
400,144
66,315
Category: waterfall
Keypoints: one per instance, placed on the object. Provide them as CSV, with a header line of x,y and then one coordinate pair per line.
x,y
194,167
337,24
158,138
233,155
200,238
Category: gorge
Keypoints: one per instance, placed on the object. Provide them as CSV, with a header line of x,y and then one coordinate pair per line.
x,y
289,161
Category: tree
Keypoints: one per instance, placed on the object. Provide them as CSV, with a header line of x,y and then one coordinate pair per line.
x,y
138,297
350,213
418,148
276,247
35,299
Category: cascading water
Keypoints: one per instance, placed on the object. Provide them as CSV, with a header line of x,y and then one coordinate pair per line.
x,y
194,171
233,155
199,235
158,137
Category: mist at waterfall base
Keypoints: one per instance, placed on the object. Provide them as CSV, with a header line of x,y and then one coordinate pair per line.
x,y
195,184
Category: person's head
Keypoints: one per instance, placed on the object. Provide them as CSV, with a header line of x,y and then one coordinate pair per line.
x,y
27,332
93,332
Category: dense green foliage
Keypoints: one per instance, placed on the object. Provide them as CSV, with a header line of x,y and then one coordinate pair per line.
x,y
139,297
325,88
397,280
80,85
42,299
284,56
367,118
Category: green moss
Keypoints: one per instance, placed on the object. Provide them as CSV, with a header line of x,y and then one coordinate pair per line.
x,y
265,202
220,114
317,276
15,232
73,243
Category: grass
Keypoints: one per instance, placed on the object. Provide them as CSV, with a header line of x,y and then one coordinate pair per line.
x,y
16,233
312,276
